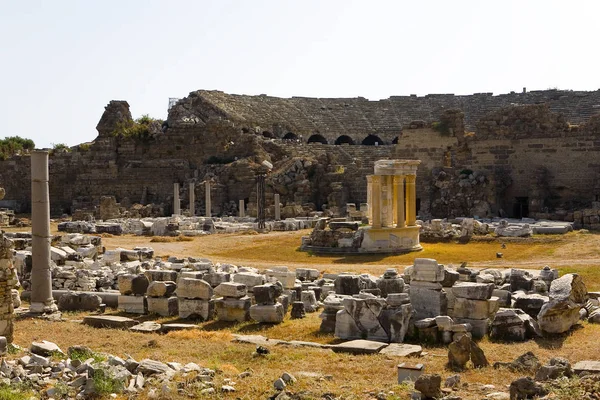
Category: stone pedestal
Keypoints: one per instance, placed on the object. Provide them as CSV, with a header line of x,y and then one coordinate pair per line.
x,y
195,308
41,278
271,313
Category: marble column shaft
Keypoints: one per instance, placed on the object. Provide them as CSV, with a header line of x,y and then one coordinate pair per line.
x,y
399,201
411,195
192,199
207,199
176,202
376,200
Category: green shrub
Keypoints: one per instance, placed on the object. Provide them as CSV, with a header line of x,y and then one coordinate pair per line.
x,y
138,129
85,354
441,127
85,146
105,384
10,146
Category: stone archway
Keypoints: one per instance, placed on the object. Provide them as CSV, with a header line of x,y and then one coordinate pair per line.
x,y
317,138
344,139
290,136
372,140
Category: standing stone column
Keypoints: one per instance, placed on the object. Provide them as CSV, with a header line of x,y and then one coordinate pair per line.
x,y
207,199
242,209
176,203
277,207
399,199
376,198
192,199
411,195
8,280
369,199
41,277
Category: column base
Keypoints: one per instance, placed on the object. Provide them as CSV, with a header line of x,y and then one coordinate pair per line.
x,y
48,307
391,239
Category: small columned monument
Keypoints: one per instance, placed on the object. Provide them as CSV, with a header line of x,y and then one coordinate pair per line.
x,y
392,215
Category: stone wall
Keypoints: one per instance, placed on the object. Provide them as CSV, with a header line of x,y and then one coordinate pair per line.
x,y
530,156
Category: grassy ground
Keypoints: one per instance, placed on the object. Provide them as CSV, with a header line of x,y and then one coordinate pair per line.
x,y
343,376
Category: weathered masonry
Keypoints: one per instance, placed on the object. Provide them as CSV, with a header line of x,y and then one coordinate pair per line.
x,y
519,154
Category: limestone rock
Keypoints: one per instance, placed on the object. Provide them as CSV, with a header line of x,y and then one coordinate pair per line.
x,y
429,385
190,288
472,290
73,301
231,289
526,388
567,296
161,288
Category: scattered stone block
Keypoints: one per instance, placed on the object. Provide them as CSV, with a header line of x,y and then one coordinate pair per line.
x,y
231,289
359,346
190,288
472,290
132,304
233,309
269,313
146,327
196,308
161,289
409,372
109,321
163,306
402,350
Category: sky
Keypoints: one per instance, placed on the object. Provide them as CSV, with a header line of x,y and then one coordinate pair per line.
x,y
63,61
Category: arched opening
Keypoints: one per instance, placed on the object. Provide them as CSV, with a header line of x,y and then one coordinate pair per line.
x,y
290,136
268,134
344,139
316,138
372,140
395,141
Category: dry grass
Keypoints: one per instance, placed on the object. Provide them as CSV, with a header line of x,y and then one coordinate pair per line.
x,y
346,376
171,239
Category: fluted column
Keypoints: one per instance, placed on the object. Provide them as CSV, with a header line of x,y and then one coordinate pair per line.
x,y
399,201
242,209
277,206
376,200
411,195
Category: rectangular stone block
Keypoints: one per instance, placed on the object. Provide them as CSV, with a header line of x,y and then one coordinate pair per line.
x,y
196,308
272,313
231,289
161,275
194,289
475,309
427,269
428,303
132,304
163,306
249,279
479,327
216,278
472,290
229,309
287,278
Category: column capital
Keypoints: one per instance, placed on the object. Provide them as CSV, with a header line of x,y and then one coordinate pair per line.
x,y
369,178
375,178
398,179
411,178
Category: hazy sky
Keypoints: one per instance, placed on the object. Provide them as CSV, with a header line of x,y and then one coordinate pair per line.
x,y
63,61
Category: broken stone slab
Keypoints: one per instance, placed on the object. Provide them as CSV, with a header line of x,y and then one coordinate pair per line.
x,y
479,327
347,284
257,340
526,388
472,290
151,367
160,275
268,313
567,296
146,327
166,328
109,321
588,366
402,350
530,303
45,348
359,346
73,301
429,385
